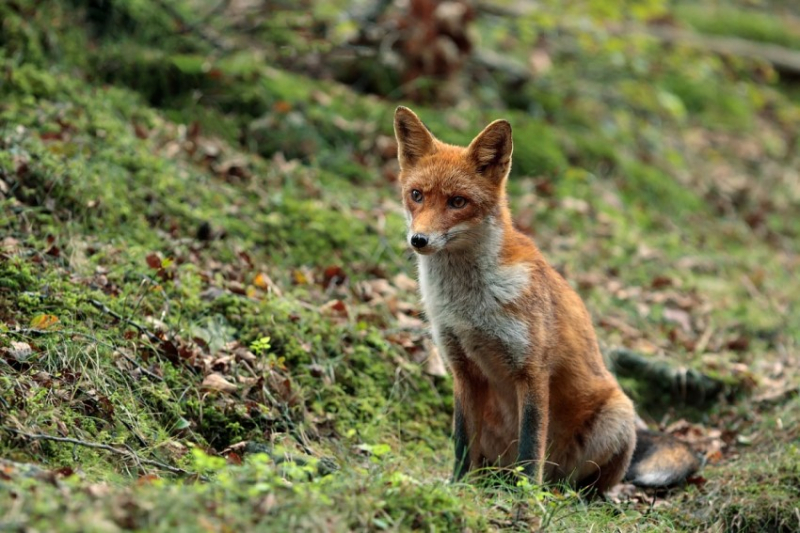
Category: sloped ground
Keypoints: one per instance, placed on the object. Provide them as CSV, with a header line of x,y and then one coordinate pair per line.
x,y
209,319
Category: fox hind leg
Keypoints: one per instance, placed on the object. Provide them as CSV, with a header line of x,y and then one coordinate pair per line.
x,y
607,446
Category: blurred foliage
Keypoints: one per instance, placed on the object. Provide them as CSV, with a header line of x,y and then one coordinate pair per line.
x,y
757,25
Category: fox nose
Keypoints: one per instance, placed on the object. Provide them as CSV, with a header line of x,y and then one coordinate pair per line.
x,y
418,240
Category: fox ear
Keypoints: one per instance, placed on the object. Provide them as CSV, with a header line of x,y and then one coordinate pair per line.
x,y
491,150
414,140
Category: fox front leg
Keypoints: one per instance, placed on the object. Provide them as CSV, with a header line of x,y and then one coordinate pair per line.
x,y
532,397
470,398
461,440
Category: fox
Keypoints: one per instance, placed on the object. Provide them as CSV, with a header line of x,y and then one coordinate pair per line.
x,y
531,389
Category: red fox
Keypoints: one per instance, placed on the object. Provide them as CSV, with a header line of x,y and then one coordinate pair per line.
x,y
531,387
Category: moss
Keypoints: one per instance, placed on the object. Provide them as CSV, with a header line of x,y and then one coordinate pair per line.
x,y
536,150
658,191
17,276
19,38
159,77
716,105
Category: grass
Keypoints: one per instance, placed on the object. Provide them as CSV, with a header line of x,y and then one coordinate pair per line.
x,y
202,266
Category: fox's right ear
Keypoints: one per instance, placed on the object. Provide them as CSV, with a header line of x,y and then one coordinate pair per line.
x,y
414,140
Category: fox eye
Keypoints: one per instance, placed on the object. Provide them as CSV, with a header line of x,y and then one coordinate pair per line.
x,y
458,202
416,195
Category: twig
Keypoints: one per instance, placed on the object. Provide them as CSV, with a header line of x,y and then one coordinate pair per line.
x,y
104,308
372,15
162,343
195,28
96,445
131,360
284,411
517,11
216,10
142,369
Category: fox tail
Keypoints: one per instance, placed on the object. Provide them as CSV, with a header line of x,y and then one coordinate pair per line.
x,y
660,461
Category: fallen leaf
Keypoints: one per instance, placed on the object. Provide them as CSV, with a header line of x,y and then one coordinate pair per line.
x,y
19,350
265,283
409,322
335,308
218,383
282,106
660,282
146,479
233,458
434,366
739,344
697,481
44,321
267,503
153,261
333,275
65,471
404,283
540,61
680,317
302,276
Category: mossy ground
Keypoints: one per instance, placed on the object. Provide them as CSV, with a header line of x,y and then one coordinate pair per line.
x,y
170,213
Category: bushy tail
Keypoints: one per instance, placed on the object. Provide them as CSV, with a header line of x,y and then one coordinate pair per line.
x,y
660,461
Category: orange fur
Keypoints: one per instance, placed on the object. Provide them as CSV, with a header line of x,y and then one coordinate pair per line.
x,y
529,380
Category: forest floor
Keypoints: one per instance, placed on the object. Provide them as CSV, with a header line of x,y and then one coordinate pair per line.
x,y
209,319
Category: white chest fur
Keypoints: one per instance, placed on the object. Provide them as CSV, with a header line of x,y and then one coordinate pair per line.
x,y
465,295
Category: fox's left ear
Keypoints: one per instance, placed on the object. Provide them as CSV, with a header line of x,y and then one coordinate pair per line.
x,y
491,150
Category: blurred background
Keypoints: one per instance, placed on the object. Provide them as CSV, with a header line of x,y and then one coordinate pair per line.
x,y
202,251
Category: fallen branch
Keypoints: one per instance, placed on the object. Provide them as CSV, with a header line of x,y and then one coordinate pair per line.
x,y
783,59
104,308
131,360
96,445
515,70
197,28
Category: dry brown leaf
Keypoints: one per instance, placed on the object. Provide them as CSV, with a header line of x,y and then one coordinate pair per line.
x,y
216,382
680,317
382,287
409,322
333,275
267,504
19,350
335,308
540,61
404,283
265,283
434,366
303,276
9,244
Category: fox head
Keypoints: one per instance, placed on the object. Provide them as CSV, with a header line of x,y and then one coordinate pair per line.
x,y
450,193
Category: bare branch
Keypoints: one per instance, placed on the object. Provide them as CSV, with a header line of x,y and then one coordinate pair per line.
x,y
130,454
